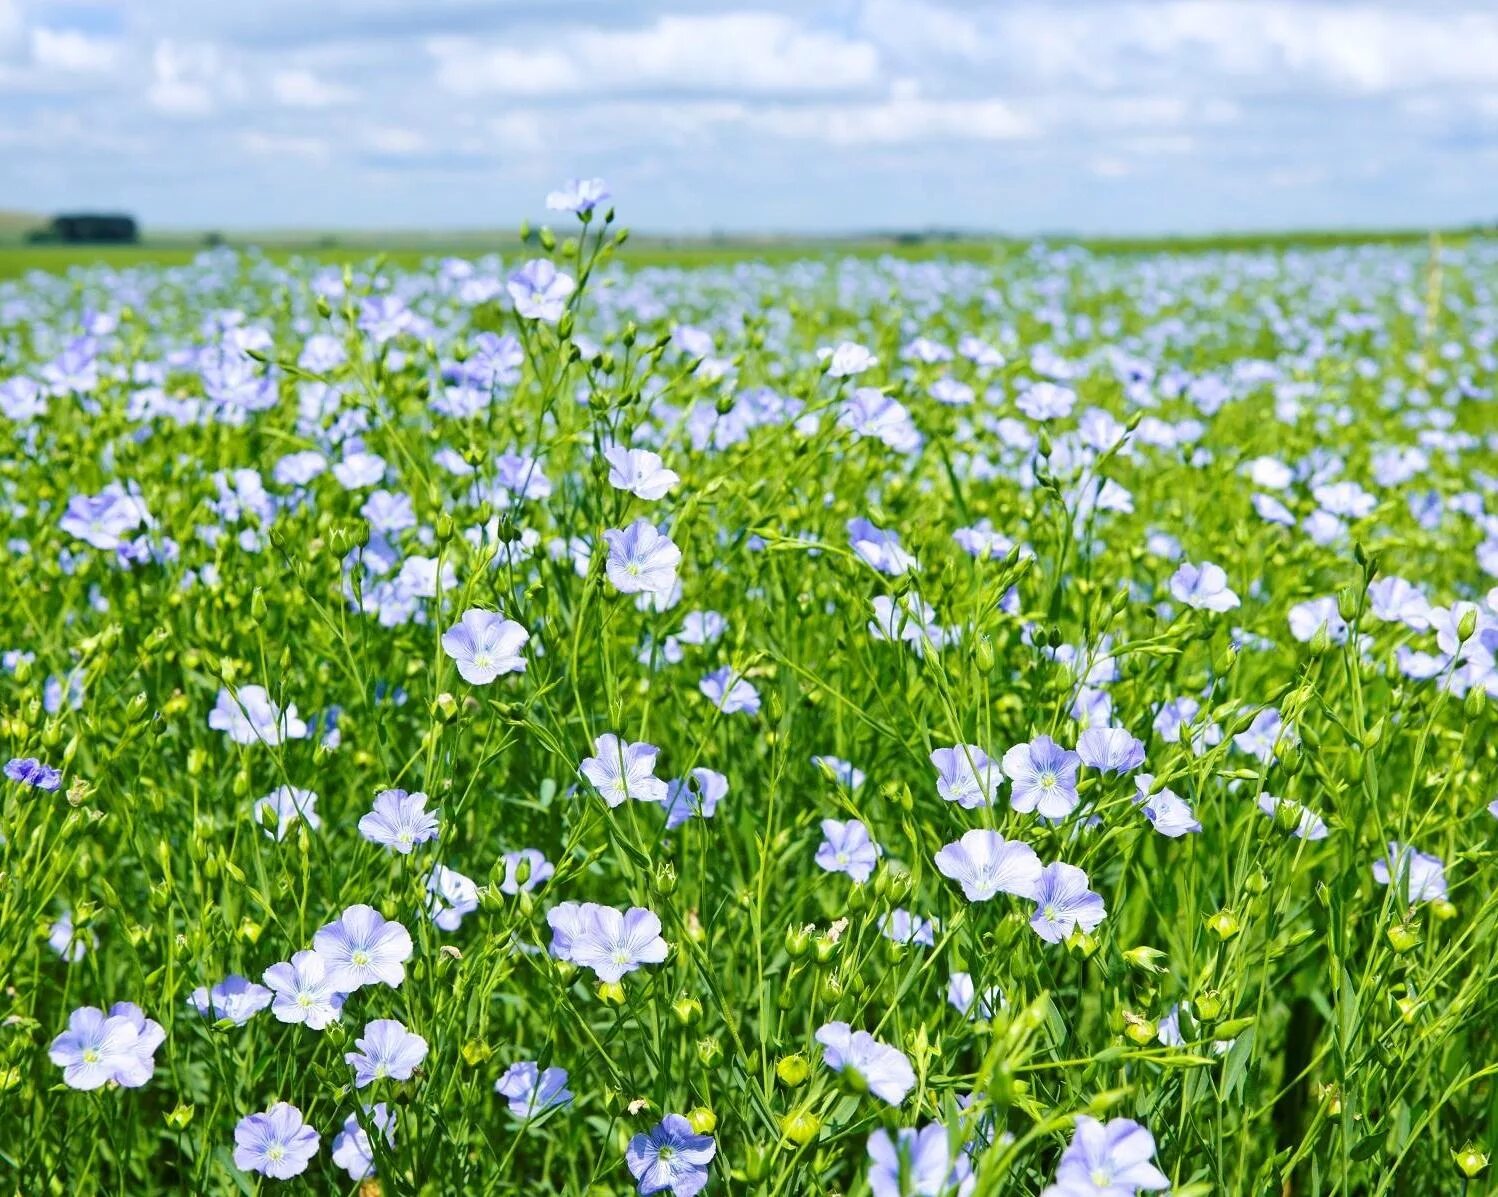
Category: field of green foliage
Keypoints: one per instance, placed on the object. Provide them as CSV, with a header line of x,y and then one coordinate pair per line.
x,y
873,726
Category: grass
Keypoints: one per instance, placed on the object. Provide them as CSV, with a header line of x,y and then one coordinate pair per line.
x,y
284,553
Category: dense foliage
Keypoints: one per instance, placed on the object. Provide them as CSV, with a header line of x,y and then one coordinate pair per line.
x,y
831,727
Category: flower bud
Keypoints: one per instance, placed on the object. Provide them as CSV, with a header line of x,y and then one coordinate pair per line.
x,y
1467,624
1144,958
1470,1161
703,1120
797,941
1403,937
800,1126
611,992
709,1050
1224,924
792,1070
1208,1005
1444,909
687,1010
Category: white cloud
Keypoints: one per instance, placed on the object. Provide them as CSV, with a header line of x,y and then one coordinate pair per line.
x,y
70,51
905,116
394,140
750,52
284,145
301,88
189,79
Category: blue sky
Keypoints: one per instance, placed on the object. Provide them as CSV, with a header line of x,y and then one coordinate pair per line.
x,y
1123,116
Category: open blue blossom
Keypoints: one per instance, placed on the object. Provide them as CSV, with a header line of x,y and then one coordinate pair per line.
x,y
1112,1160
578,195
984,863
866,1063
609,942
642,559
485,645
450,896
920,1162
1044,776
1110,749
276,1143
641,472
235,998
1169,813
279,811
963,996
847,848
966,775
670,1157
1063,903
352,1150
525,870
729,692
1203,586
847,359
620,771
387,1051
879,548
362,948
302,991
540,291
696,795
532,1091
900,926
1422,877
98,1049
248,716
31,772
399,820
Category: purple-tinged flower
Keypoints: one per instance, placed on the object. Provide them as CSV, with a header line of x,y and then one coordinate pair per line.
x,y
900,926
879,548
302,991
524,870
1204,587
1309,617
105,520
362,948
918,1163
1044,776
69,943
1302,821
639,471
1261,736
1112,1160
386,1052
276,1143
1110,749
1168,813
277,813
866,1062
912,620
531,1091
399,820
697,794
869,412
964,997
450,896
966,775
1046,401
846,359
620,770
984,863
843,772
99,1048
578,195
1422,876
235,998
670,1156
352,1150
608,941
249,716
642,559
1063,903
729,692
29,771
847,848
485,645
540,290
